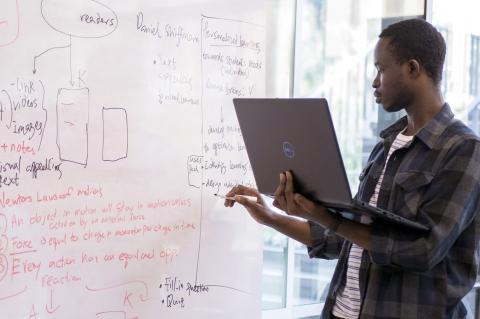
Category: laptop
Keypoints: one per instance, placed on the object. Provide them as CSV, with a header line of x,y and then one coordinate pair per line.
x,y
298,135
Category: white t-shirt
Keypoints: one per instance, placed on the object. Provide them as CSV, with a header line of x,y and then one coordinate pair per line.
x,y
348,303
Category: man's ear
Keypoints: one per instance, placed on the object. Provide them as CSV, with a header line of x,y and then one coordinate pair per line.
x,y
413,68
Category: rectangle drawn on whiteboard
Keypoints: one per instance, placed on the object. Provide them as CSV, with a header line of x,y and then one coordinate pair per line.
x,y
72,125
115,134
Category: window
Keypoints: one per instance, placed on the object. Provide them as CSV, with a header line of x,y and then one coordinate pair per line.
x,y
474,65
461,76
274,274
311,278
334,42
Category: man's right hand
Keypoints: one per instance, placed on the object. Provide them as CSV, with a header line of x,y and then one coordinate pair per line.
x,y
257,209
261,213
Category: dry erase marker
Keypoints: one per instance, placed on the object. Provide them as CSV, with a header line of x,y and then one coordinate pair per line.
x,y
233,198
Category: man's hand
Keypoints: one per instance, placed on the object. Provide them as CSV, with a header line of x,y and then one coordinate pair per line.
x,y
258,210
350,230
285,197
296,205
316,212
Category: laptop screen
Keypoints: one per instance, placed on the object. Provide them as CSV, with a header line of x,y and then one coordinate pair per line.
x,y
296,135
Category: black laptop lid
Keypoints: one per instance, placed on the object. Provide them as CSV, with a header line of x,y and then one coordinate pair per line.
x,y
296,135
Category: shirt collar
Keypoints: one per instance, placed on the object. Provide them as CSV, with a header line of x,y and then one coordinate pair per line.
x,y
427,134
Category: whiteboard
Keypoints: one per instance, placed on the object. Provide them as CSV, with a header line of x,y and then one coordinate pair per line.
x,y
116,130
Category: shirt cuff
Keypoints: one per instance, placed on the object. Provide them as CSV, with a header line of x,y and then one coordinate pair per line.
x,y
318,235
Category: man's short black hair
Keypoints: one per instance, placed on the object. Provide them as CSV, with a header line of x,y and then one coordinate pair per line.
x,y
417,39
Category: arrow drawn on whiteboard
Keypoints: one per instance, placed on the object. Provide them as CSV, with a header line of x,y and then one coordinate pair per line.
x,y
13,295
50,49
143,297
70,58
221,113
51,309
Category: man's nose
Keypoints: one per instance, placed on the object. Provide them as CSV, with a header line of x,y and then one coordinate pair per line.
x,y
376,82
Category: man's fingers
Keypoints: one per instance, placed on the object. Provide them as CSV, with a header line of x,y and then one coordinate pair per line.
x,y
245,202
248,191
280,193
289,194
305,203
242,190
309,206
281,186
288,183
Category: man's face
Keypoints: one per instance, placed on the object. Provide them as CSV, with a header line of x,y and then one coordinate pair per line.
x,y
8,21
391,81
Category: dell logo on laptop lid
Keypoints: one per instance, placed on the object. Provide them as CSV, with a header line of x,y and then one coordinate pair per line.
x,y
288,150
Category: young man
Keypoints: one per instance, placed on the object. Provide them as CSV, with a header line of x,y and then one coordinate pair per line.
x,y
426,168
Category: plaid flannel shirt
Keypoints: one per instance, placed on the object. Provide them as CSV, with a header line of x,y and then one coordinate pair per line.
x,y
435,180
